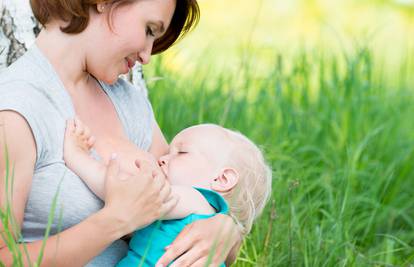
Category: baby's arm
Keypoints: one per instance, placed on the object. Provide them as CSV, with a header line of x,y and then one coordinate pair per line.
x,y
190,201
78,142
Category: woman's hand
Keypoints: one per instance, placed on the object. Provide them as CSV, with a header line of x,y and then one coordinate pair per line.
x,y
202,242
136,200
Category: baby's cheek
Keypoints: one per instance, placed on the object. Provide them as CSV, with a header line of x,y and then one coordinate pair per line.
x,y
179,178
172,177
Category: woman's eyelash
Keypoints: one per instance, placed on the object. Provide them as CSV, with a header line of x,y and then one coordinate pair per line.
x,y
150,31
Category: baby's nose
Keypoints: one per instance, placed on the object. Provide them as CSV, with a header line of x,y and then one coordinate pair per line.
x,y
162,162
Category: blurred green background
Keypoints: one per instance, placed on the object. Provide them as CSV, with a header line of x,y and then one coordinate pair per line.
x,y
232,31
326,88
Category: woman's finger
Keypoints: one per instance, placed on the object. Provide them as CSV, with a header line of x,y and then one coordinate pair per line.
x,y
202,262
112,170
159,180
189,257
165,192
181,244
112,173
218,240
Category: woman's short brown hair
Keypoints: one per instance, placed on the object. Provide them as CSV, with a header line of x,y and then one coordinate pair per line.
x,y
76,13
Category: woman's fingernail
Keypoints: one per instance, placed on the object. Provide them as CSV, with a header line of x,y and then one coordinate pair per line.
x,y
167,247
113,156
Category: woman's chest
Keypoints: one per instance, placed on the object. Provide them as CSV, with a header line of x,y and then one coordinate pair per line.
x,y
120,122
100,115
111,138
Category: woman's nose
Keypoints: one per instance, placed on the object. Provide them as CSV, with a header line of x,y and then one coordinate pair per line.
x,y
143,59
145,55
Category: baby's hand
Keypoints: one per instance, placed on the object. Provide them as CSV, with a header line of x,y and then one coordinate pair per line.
x,y
78,141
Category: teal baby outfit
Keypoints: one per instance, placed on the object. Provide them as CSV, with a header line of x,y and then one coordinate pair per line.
x,y
147,244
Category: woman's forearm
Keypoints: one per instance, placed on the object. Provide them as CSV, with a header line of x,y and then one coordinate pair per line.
x,y
75,246
231,258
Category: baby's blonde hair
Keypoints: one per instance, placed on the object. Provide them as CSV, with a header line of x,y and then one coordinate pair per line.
x,y
249,197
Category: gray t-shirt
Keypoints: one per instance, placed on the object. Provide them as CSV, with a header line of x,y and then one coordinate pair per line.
x,y
32,88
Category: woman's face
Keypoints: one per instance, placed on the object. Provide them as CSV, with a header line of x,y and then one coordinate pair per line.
x,y
127,37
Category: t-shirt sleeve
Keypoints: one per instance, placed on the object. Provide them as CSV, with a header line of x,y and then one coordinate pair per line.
x,y
15,99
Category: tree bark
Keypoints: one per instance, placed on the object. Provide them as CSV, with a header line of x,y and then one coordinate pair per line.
x,y
17,30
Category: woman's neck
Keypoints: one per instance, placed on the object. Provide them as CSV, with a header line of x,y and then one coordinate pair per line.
x,y
65,53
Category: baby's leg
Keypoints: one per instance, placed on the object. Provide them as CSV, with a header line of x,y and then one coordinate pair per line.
x,y
76,148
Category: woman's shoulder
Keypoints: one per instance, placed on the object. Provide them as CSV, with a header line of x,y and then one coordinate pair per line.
x,y
29,73
29,88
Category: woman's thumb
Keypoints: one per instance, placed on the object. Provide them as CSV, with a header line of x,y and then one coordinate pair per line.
x,y
112,170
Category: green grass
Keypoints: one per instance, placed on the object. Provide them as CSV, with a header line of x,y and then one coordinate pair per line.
x,y
11,234
339,135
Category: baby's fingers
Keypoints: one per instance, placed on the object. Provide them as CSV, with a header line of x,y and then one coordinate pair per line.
x,y
79,128
91,141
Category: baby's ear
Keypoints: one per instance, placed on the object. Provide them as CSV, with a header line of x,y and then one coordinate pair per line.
x,y
227,180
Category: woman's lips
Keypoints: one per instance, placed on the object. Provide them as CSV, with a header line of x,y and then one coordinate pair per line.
x,y
130,62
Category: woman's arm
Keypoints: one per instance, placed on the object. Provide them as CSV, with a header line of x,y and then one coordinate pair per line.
x,y
131,202
72,247
21,151
231,258
190,201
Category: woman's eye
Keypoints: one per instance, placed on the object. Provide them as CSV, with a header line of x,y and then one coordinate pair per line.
x,y
182,152
150,32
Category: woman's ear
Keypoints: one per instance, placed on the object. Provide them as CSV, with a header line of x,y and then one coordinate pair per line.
x,y
100,7
226,180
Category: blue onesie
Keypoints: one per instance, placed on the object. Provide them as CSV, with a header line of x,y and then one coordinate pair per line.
x,y
147,244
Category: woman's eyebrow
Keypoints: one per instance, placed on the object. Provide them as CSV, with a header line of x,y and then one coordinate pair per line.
x,y
161,28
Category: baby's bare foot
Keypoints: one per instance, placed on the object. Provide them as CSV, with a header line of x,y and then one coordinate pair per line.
x,y
78,141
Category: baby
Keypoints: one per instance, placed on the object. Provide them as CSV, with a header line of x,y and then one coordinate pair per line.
x,y
212,170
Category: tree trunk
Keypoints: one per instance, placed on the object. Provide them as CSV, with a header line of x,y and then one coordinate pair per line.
x,y
19,28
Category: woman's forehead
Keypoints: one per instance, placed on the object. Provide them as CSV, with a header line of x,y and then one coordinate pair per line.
x,y
159,10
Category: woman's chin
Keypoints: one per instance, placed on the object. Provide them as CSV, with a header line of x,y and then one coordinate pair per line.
x,y
110,79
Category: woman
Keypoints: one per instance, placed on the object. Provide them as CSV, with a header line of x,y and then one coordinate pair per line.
x,y
73,68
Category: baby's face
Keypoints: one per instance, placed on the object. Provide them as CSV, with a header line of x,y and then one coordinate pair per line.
x,y
196,157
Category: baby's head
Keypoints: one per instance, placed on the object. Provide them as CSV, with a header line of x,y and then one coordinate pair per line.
x,y
212,157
